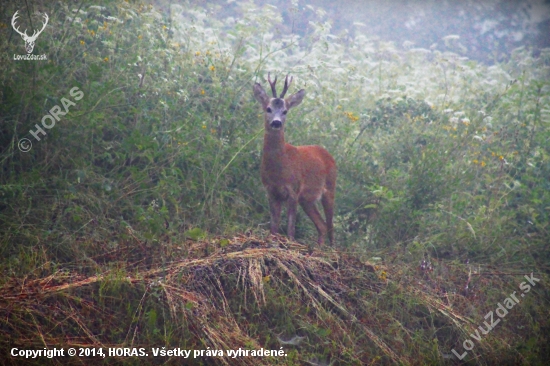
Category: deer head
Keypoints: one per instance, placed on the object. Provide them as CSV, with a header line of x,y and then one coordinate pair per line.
x,y
29,41
276,108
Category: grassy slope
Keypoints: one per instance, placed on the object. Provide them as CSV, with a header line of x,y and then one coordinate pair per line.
x,y
121,226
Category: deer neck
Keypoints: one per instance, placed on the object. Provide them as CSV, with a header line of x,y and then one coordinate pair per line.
x,y
274,141
274,149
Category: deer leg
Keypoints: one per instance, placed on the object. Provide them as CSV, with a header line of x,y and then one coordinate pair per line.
x,y
328,206
275,212
291,212
311,210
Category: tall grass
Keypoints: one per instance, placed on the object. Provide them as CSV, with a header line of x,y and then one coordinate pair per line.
x,y
431,146
438,155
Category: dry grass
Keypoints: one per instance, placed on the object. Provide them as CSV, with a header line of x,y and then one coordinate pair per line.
x,y
269,293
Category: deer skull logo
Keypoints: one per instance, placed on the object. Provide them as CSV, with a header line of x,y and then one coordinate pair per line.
x,y
29,41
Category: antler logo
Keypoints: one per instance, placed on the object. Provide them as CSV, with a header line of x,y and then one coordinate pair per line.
x,y
29,41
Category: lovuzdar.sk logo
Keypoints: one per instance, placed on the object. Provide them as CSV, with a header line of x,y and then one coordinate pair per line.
x,y
29,40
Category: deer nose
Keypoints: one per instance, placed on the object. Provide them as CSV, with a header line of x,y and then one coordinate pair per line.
x,y
276,124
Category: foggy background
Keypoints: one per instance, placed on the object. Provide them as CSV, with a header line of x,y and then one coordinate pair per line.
x,y
487,30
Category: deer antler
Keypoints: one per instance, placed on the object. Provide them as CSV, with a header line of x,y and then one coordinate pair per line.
x,y
13,19
35,34
287,84
273,90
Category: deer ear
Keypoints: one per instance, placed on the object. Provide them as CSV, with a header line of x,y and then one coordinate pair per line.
x,y
295,99
260,95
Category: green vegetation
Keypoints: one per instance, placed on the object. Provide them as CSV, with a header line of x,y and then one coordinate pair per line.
x,y
139,219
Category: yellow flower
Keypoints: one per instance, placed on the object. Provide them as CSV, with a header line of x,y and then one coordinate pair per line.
x,y
212,130
482,164
202,91
164,27
475,161
106,59
198,53
140,36
493,154
351,116
501,157
203,126
212,68
82,43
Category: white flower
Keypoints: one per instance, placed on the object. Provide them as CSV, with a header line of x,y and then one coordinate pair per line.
x,y
451,37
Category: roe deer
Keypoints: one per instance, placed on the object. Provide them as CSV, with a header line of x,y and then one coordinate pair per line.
x,y
294,174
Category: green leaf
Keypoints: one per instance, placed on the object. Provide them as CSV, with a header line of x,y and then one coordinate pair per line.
x,y
195,233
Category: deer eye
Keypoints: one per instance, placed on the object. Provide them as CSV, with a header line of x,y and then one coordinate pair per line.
x,y
284,112
268,110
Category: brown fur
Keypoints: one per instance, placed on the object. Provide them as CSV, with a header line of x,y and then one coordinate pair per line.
x,y
294,174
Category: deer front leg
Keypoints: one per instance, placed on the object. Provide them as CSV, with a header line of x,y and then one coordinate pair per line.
x,y
275,212
291,212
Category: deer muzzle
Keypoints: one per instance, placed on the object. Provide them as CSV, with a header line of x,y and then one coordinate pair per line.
x,y
276,124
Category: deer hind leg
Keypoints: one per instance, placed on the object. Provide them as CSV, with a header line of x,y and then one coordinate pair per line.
x,y
275,206
328,206
311,210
